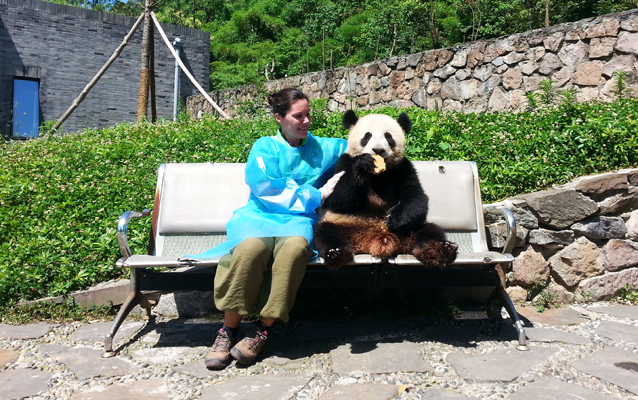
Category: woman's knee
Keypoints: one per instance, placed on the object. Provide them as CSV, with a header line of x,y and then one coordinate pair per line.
x,y
296,244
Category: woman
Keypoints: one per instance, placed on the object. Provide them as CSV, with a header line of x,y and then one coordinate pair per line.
x,y
270,239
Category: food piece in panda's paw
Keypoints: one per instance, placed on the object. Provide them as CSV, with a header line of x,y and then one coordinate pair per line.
x,y
379,164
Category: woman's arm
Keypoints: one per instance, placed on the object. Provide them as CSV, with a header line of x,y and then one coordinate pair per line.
x,y
275,191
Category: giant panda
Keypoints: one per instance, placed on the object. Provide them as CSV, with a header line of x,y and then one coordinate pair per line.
x,y
376,211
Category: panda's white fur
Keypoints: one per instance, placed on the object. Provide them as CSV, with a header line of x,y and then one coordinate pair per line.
x,y
386,138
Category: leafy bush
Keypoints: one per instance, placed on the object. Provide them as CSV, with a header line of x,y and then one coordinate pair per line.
x,y
61,196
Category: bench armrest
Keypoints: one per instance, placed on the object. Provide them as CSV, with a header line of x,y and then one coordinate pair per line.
x,y
122,226
511,227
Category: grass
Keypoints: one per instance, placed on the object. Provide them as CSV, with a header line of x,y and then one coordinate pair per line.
x,y
61,195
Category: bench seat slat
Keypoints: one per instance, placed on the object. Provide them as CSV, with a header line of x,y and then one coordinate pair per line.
x,y
146,261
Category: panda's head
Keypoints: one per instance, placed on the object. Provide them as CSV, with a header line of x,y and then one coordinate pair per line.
x,y
377,134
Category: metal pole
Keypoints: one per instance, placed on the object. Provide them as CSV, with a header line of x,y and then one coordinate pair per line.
x,y
177,43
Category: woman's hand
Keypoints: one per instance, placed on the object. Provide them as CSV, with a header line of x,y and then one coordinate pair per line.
x,y
329,187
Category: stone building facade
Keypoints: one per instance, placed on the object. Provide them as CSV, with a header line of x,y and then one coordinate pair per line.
x,y
488,75
62,48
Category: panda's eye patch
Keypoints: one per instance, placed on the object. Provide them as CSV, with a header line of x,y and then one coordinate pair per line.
x,y
390,139
366,139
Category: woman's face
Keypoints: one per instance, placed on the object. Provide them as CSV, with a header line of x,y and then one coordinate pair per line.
x,y
294,126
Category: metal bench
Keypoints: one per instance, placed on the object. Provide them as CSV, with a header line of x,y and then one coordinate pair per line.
x,y
193,202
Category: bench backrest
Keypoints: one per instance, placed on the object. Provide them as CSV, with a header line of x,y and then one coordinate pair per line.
x,y
194,202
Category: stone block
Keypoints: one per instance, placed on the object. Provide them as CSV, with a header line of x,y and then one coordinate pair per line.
x,y
518,101
632,226
562,76
517,294
371,391
620,202
484,72
498,100
463,74
444,72
443,57
549,63
434,87
263,387
554,41
185,304
512,79
580,260
420,98
528,67
600,184
529,268
474,58
413,60
621,254
606,286
492,51
619,63
13,383
396,79
498,365
605,28
450,89
498,235
476,105
630,23
535,53
112,292
380,358
452,105
544,237
575,33
600,227
460,59
627,43
531,83
560,208
601,47
468,89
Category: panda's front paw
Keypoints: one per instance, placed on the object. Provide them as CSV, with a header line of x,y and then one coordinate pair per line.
x,y
336,258
364,164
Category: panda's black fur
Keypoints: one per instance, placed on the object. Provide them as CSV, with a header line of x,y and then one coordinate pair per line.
x,y
384,214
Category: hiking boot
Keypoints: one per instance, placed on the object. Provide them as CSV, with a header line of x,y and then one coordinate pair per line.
x,y
219,355
246,351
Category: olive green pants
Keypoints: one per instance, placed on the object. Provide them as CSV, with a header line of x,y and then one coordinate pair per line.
x,y
262,275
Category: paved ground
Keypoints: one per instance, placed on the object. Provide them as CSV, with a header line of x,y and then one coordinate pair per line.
x,y
577,352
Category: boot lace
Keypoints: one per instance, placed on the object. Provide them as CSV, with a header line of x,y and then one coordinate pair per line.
x,y
222,342
259,338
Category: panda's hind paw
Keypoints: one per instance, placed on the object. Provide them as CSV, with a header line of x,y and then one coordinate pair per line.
x,y
336,258
437,254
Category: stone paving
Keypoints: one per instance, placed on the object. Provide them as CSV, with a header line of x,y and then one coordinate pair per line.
x,y
576,352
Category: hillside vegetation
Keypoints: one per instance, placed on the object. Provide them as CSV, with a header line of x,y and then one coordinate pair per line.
x,y
258,40
61,195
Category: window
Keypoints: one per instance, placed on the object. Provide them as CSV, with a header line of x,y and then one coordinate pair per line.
x,y
26,108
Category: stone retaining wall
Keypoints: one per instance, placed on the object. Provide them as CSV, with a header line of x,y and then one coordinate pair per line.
x,y
489,75
577,241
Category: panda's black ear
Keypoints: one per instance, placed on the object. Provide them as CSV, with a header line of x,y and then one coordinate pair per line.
x,y
349,119
405,122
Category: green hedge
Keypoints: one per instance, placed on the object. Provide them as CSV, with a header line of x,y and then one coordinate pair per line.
x,y
61,196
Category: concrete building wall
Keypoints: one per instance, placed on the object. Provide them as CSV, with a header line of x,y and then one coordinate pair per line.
x,y
64,47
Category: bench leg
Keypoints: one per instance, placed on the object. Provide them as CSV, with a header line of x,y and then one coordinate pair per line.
x,y
509,306
134,298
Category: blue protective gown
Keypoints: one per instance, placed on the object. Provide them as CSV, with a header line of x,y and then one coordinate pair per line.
x,y
284,194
